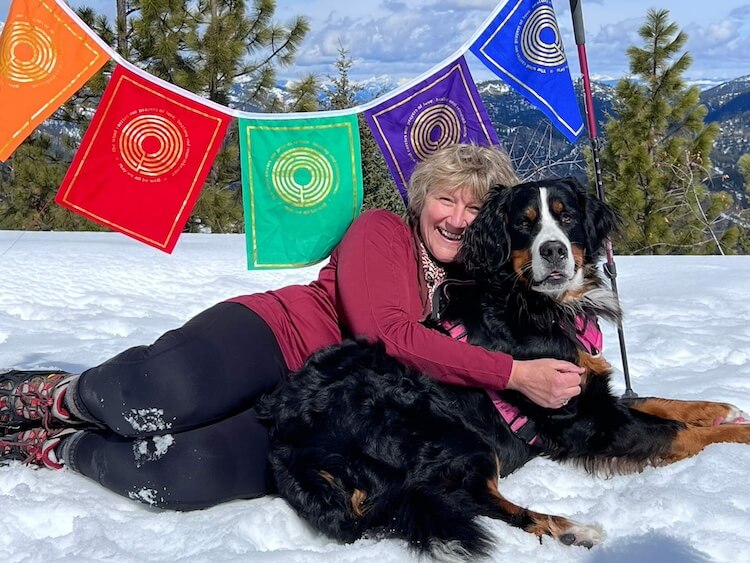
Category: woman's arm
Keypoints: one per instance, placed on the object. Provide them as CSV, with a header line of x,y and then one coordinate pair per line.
x,y
379,298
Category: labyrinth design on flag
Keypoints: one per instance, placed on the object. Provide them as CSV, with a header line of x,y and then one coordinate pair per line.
x,y
151,145
522,45
539,40
441,110
435,127
302,176
27,53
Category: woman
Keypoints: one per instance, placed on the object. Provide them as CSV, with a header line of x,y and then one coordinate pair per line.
x,y
172,424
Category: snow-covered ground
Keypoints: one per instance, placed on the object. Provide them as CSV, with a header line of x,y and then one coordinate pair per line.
x,y
71,300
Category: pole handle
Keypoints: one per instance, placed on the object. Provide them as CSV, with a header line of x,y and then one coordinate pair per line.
x,y
575,10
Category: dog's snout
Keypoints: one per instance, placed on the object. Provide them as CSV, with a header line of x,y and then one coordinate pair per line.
x,y
553,251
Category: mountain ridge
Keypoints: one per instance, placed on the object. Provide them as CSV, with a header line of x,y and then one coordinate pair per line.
x,y
728,105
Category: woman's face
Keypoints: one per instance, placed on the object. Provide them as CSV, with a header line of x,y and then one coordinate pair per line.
x,y
445,216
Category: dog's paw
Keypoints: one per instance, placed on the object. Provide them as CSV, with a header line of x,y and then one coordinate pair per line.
x,y
582,535
734,416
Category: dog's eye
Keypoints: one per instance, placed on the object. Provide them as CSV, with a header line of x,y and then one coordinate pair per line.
x,y
523,224
566,218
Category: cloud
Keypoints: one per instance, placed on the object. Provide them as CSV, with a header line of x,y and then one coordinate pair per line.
x,y
486,5
740,13
718,48
723,45
394,6
606,47
713,34
402,39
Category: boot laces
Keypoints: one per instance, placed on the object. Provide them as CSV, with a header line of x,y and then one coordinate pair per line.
x,y
34,447
30,443
35,400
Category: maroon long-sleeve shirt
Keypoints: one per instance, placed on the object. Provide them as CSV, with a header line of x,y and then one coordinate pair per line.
x,y
373,287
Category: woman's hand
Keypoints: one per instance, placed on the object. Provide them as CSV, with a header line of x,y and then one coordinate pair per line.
x,y
549,383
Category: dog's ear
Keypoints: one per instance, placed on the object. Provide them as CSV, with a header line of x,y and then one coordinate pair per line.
x,y
486,244
600,220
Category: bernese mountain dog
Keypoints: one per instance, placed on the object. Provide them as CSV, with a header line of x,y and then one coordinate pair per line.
x,y
362,445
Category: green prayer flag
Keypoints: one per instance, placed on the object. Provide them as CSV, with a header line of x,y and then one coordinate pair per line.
x,y
301,186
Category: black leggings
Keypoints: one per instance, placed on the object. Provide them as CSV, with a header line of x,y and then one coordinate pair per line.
x,y
179,427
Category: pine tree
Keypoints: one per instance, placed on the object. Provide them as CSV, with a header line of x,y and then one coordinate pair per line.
x,y
379,188
121,27
304,95
743,164
235,45
29,184
342,93
161,40
742,223
656,158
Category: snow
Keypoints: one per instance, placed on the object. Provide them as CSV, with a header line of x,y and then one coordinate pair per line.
x,y
71,300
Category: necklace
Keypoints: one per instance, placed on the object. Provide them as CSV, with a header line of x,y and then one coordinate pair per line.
x,y
433,273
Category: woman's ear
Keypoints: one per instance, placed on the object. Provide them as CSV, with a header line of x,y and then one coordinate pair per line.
x,y
486,245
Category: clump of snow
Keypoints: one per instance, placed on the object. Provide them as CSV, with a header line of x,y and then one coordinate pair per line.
x,y
144,495
151,449
146,420
72,300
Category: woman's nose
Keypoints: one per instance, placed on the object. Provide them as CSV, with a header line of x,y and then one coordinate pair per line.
x,y
460,217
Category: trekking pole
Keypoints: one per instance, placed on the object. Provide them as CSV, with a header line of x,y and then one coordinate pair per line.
x,y
610,269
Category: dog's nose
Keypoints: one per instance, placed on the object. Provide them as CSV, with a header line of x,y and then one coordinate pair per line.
x,y
553,251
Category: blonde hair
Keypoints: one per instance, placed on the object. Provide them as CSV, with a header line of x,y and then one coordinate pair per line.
x,y
475,167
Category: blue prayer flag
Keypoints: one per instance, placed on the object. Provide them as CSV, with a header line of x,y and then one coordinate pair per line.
x,y
522,45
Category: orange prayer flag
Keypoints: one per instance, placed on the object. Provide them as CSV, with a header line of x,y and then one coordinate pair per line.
x,y
45,57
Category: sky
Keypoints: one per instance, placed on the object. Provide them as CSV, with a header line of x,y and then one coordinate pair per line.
x,y
401,39
72,300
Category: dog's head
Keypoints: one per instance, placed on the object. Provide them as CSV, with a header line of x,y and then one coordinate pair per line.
x,y
543,233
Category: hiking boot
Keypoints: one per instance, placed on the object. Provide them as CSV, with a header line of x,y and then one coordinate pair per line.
x,y
34,447
33,397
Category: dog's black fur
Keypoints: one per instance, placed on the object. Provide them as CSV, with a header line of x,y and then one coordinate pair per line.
x,y
362,444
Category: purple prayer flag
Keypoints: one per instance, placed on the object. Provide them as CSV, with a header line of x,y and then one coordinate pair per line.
x,y
441,110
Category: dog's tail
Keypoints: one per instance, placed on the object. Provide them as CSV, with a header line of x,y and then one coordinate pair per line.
x,y
437,524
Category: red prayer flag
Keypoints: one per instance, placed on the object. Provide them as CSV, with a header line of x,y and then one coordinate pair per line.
x,y
143,160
